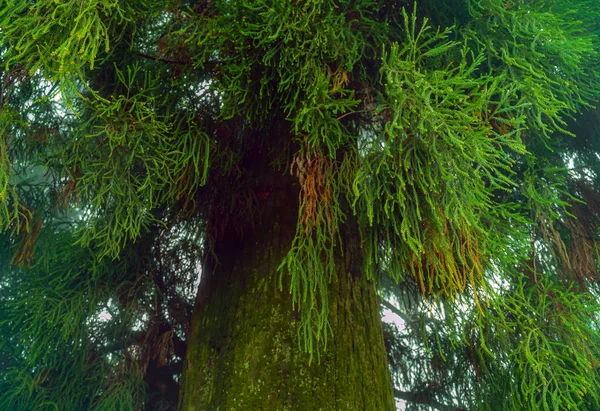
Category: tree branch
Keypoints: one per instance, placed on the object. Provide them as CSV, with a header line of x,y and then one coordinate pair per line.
x,y
425,399
395,310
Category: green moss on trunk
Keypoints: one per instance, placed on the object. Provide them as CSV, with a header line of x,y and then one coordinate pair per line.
x,y
243,352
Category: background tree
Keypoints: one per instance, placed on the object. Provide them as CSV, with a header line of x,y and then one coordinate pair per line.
x,y
299,155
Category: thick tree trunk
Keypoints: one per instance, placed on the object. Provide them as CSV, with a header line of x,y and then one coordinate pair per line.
x,y
243,351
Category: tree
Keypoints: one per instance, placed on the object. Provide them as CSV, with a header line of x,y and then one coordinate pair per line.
x,y
304,158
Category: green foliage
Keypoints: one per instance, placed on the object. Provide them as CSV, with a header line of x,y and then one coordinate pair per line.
x,y
8,198
61,38
49,317
153,159
555,346
530,348
447,137
311,262
546,53
416,182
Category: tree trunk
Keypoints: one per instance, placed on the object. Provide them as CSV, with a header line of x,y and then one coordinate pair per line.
x,y
243,351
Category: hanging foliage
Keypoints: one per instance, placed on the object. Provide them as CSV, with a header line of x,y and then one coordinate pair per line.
x,y
455,141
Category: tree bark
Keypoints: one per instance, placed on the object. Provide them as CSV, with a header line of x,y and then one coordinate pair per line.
x,y
243,351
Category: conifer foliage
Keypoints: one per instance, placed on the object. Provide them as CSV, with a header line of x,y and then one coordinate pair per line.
x,y
456,142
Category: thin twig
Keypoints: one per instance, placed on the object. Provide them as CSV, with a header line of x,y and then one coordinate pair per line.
x,y
353,112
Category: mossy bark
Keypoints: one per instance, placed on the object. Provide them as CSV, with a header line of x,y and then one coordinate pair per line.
x,y
243,351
